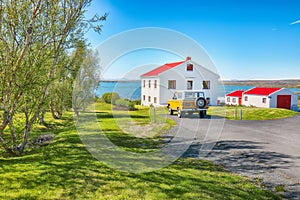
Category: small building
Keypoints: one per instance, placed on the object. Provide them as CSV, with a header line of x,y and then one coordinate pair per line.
x,y
270,98
234,98
158,85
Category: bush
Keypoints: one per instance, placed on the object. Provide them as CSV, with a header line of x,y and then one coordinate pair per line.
x,y
98,100
137,102
125,103
110,97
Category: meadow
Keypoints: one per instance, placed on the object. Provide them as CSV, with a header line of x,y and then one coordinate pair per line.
x,y
64,169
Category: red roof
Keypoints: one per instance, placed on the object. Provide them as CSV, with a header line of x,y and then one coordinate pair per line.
x,y
238,93
262,91
162,69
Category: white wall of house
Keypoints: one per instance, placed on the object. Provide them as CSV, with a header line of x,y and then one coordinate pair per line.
x,y
180,74
234,101
149,94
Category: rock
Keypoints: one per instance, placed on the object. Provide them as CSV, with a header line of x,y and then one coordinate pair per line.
x,y
42,140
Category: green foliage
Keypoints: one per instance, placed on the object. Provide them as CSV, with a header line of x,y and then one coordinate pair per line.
x,y
137,102
35,41
87,79
110,97
125,103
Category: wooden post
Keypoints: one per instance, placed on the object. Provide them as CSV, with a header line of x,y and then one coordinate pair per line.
x,y
241,114
235,113
154,114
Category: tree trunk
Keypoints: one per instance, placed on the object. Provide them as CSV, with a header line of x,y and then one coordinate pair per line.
x,y
52,109
76,112
42,118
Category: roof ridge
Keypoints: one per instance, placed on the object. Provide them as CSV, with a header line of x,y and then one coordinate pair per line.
x,y
162,68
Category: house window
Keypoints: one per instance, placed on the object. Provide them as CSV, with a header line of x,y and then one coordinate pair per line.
x,y
149,84
144,83
228,99
206,84
189,85
149,99
234,100
155,83
264,100
172,84
144,97
246,98
155,100
189,67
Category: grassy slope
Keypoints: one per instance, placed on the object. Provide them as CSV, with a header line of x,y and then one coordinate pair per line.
x,y
65,170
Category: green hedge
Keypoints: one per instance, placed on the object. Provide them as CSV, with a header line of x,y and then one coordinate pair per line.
x,y
110,97
125,103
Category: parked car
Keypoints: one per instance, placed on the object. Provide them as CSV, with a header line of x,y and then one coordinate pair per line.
x,y
188,102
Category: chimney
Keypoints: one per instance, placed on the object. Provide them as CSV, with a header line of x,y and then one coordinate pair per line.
x,y
188,58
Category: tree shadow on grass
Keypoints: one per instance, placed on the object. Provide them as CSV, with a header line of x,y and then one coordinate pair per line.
x,y
65,170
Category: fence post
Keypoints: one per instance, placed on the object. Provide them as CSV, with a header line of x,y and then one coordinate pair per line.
x,y
235,113
154,114
241,114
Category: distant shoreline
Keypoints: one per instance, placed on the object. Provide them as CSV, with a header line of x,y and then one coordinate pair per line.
x,y
289,83
119,80
292,83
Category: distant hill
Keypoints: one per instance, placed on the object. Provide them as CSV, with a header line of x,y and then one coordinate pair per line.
x,y
291,83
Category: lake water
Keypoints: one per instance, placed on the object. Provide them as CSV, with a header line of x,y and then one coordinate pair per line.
x,y
132,90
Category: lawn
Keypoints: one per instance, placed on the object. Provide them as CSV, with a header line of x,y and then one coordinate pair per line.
x,y
250,113
64,169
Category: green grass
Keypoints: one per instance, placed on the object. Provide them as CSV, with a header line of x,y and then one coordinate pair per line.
x,y
64,169
251,113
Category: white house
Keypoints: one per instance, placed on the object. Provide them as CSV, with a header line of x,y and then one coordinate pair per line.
x,y
234,98
271,98
157,86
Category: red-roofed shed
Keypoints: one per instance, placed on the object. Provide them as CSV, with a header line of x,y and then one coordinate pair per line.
x,y
234,98
262,91
271,98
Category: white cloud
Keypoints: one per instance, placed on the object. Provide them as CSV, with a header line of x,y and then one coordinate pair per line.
x,y
295,22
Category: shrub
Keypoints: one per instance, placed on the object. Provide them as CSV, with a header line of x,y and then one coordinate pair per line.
x,y
110,97
137,102
125,103
99,100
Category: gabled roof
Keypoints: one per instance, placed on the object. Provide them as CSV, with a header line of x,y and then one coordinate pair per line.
x,y
238,93
161,69
262,91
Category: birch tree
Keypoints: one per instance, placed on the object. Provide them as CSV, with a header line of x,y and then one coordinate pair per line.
x,y
34,36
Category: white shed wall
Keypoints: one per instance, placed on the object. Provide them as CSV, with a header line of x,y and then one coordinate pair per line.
x,y
231,101
256,100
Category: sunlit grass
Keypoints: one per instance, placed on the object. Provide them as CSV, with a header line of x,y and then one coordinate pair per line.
x,y
64,169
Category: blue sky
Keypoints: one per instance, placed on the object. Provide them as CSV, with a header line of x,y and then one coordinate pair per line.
x,y
245,39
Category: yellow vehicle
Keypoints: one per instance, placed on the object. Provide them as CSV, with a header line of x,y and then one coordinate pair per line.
x,y
188,102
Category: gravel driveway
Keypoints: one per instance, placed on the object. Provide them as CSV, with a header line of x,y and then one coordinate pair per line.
x,y
263,150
